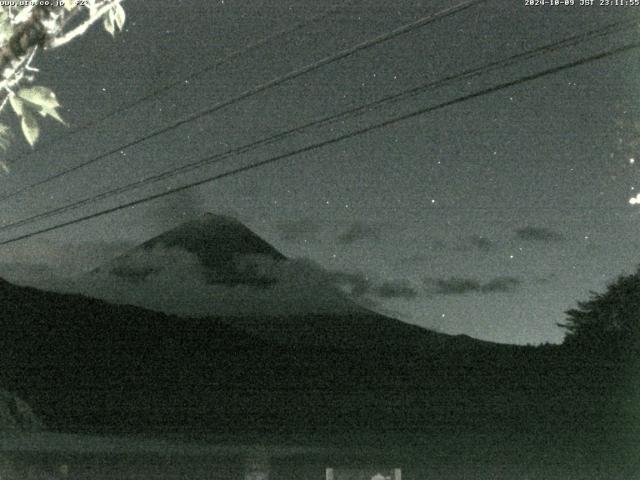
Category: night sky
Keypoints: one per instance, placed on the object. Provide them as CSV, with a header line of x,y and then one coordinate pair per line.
x,y
490,217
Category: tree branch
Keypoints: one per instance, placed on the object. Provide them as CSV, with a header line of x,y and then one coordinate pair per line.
x,y
27,35
44,26
83,27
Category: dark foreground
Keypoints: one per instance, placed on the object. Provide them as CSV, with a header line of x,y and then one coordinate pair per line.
x,y
222,403
435,456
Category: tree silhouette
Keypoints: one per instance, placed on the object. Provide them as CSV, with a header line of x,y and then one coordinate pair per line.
x,y
608,323
27,27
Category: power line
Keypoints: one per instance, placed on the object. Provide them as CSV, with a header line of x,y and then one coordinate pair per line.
x,y
474,72
469,73
265,86
226,59
192,75
340,138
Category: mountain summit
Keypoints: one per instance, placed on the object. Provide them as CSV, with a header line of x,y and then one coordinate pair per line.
x,y
216,266
217,240
226,250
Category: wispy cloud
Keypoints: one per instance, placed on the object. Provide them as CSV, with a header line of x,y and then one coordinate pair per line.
x,y
66,258
174,281
481,243
464,285
501,284
396,289
452,286
359,285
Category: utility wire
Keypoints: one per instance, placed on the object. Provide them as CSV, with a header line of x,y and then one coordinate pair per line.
x,y
315,146
226,59
265,86
573,40
570,41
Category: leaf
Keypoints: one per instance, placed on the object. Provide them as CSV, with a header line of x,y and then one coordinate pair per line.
x,y
30,127
53,113
69,5
40,99
16,104
109,24
39,96
119,16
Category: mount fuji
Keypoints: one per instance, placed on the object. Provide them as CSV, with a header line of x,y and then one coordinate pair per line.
x,y
215,266
222,246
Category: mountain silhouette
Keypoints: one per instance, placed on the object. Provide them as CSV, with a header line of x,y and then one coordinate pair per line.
x,y
250,285
218,242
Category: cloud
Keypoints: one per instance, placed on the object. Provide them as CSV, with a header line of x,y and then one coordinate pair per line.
x,y
545,279
501,284
363,288
538,234
138,265
472,243
431,247
481,243
462,285
67,259
354,284
453,286
395,289
358,232
299,230
174,281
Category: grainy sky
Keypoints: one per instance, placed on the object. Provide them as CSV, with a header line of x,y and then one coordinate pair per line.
x,y
490,217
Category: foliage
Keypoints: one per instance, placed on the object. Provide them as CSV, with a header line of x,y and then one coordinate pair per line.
x,y
608,323
26,29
